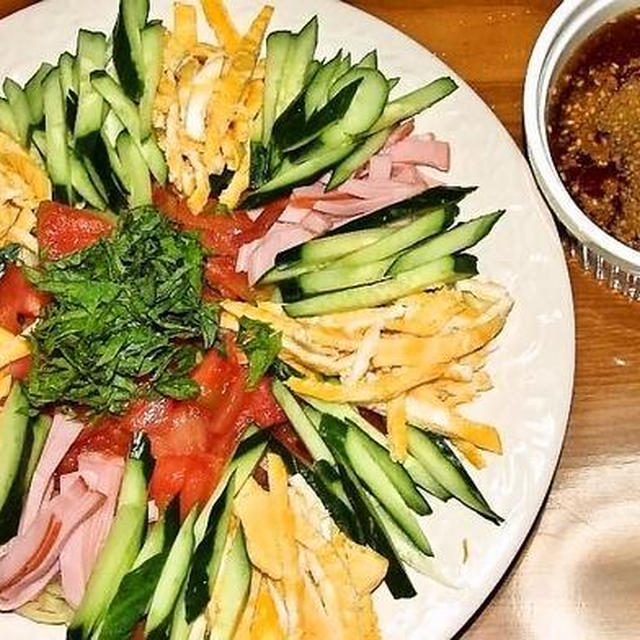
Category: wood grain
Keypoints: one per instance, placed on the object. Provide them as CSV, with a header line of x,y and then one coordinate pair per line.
x,y
578,576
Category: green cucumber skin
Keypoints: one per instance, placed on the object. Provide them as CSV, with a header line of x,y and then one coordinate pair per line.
x,y
461,237
33,90
373,476
17,447
376,535
15,436
198,592
347,413
40,428
424,226
278,44
358,158
434,453
172,576
20,107
411,207
413,103
394,471
301,424
436,273
122,544
233,585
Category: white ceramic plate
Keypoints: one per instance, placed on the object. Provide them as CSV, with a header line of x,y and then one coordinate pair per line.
x,y
532,365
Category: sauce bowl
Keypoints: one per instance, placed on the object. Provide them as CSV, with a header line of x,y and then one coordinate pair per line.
x,y
608,259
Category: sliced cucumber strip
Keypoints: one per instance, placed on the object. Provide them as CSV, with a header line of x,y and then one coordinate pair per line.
x,y
122,105
301,423
56,137
138,181
298,57
14,436
19,107
278,44
432,451
91,55
369,61
7,121
154,158
413,103
82,183
121,546
152,42
366,106
358,158
334,278
127,46
426,225
350,414
461,237
436,273
291,174
33,90
317,92
406,209
326,249
172,577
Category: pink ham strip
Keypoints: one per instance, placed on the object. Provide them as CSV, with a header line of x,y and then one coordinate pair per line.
x,y
380,167
62,435
391,176
16,596
400,133
102,474
370,190
422,150
36,551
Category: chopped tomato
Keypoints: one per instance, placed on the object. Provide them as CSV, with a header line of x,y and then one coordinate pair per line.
x,y
107,437
307,202
191,440
213,376
265,220
62,230
261,407
220,232
221,275
20,301
18,369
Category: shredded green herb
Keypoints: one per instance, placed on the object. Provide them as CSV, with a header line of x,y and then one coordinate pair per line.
x,y
261,344
8,253
126,319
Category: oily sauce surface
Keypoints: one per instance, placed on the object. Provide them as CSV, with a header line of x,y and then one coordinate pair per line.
x,y
594,127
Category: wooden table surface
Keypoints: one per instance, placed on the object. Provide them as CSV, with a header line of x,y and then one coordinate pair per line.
x,y
578,576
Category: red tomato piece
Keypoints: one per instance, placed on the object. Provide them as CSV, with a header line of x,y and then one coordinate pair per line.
x,y
213,375
221,232
62,230
20,301
185,433
107,437
168,477
265,220
221,275
261,407
203,475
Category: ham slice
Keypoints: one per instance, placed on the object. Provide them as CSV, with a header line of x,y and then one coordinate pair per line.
x,y
62,435
422,150
103,474
380,168
391,176
34,554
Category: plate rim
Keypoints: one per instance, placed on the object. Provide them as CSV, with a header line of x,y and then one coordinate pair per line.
x,y
488,590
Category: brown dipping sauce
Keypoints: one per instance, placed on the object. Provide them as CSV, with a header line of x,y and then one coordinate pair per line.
x,y
594,127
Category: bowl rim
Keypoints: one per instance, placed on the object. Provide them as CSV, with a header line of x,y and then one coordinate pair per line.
x,y
536,89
